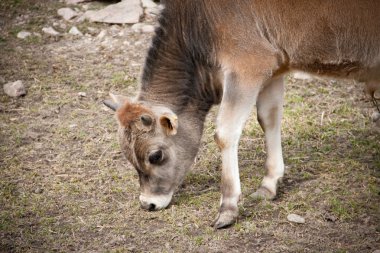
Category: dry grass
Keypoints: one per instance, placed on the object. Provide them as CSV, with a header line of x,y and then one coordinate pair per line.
x,y
64,185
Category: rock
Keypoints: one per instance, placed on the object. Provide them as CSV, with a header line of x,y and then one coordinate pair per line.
x,y
82,94
295,218
148,4
92,29
142,28
317,191
85,7
74,31
15,89
376,251
80,19
124,12
114,29
102,34
23,34
376,119
62,25
147,29
39,190
131,248
137,27
67,13
152,11
375,116
302,76
50,31
76,1
122,33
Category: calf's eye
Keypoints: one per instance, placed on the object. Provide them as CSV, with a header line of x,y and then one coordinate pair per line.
x,y
156,157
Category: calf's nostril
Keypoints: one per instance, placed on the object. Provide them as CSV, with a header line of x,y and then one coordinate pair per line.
x,y
152,207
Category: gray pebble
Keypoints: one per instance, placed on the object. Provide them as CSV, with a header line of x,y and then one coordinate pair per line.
x,y
23,34
295,218
15,89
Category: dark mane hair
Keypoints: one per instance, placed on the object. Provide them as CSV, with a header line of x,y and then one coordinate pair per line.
x,y
181,59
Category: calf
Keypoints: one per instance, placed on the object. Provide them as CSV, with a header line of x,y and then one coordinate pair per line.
x,y
235,53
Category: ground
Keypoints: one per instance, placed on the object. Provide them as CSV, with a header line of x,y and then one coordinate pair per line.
x,y
64,185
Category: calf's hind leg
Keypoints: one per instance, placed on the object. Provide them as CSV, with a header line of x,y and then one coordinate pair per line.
x,y
269,113
237,102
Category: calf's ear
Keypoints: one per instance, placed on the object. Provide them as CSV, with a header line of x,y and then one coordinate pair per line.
x,y
116,102
169,122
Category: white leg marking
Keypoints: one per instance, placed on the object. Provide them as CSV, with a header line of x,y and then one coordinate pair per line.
x,y
237,102
270,109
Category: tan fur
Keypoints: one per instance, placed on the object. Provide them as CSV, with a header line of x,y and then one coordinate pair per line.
x,y
131,112
269,37
248,45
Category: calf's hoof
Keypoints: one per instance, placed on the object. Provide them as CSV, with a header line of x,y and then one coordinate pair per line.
x,y
263,193
226,217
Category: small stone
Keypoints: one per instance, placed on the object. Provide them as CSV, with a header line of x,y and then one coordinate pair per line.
x,y
15,89
76,1
115,28
38,190
80,19
302,76
147,29
73,126
377,124
82,94
295,218
137,27
148,4
74,31
102,34
92,30
317,191
50,31
23,34
124,12
122,33
67,13
131,248
63,26
85,7
152,11
376,251
375,116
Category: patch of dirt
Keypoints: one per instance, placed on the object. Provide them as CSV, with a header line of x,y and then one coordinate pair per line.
x,y
64,185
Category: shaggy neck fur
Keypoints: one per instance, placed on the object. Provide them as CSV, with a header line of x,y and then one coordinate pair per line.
x,y
180,70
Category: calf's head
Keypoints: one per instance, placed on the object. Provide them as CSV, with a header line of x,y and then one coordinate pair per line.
x,y
156,146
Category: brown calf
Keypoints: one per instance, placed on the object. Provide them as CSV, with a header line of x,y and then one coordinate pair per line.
x,y
235,52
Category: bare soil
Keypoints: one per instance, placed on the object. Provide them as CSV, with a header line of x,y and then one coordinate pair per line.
x,y
64,185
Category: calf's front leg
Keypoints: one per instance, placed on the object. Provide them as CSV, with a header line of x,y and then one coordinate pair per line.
x,y
237,102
